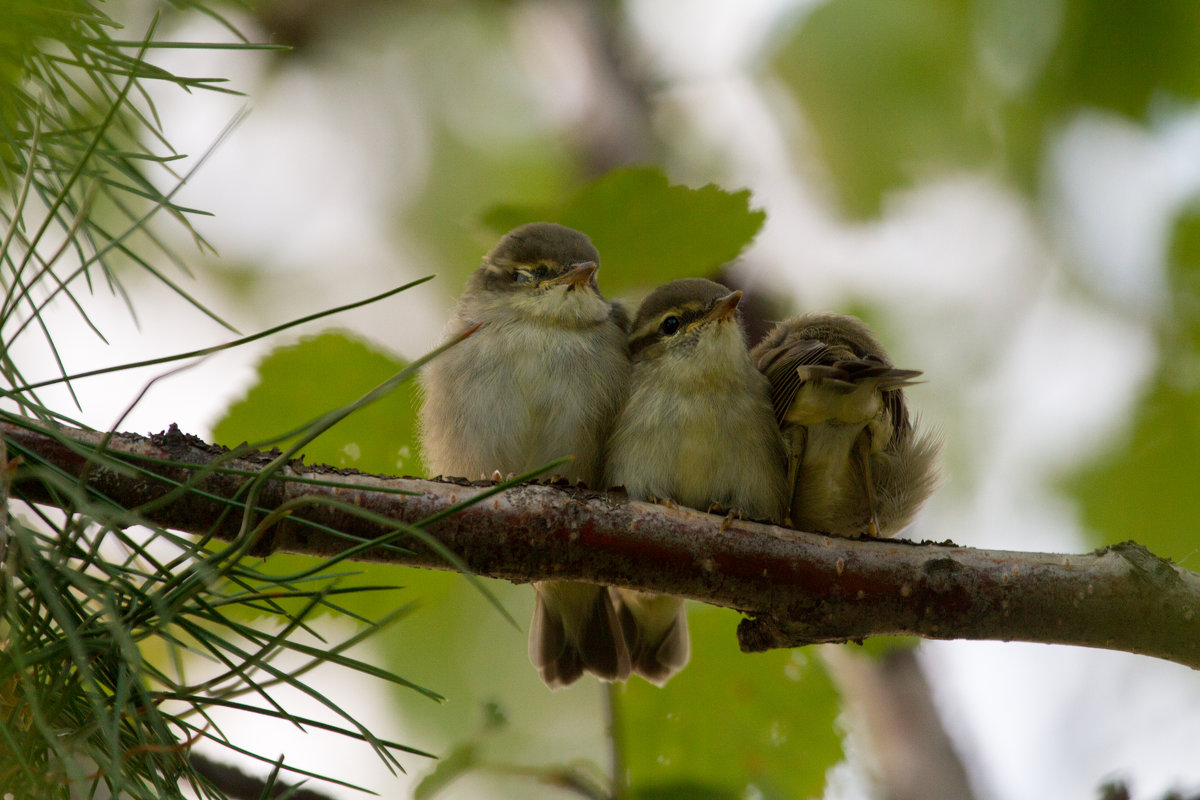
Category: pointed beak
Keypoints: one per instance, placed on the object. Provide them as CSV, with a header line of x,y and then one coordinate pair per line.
x,y
576,276
723,308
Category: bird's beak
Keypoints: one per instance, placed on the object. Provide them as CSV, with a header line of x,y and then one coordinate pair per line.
x,y
578,275
723,308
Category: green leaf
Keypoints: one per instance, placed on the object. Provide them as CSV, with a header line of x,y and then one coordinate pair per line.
x,y
1145,55
647,231
730,721
688,789
299,382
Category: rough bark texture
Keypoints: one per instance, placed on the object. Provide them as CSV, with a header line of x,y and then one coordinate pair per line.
x,y
799,588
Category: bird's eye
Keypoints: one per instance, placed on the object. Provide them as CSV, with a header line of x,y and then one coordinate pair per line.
x,y
670,326
522,276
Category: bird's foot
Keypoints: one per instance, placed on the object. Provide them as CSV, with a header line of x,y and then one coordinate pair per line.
x,y
873,527
734,514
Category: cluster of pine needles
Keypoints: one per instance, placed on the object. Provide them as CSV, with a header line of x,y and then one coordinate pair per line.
x,y
106,617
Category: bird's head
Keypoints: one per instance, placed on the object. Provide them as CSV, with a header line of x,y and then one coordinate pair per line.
x,y
692,321
540,272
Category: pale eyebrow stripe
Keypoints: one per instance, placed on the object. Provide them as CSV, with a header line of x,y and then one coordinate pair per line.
x,y
646,334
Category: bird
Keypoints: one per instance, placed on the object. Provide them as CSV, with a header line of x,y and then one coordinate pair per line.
x,y
541,379
696,429
856,463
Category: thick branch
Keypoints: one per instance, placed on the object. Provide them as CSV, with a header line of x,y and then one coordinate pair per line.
x,y
800,588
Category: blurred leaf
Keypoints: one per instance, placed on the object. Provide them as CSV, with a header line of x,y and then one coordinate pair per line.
x,y
299,382
890,89
896,89
469,181
648,232
688,789
729,721
1144,489
1120,55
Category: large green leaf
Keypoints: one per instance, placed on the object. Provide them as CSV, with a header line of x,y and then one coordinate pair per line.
x,y
300,382
741,725
648,232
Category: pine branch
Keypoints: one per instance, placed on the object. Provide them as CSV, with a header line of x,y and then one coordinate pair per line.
x,y
798,588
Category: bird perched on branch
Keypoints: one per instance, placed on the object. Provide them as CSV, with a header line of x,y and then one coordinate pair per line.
x,y
541,379
696,429
855,461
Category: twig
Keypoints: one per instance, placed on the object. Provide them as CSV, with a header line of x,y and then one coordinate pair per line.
x,y
800,588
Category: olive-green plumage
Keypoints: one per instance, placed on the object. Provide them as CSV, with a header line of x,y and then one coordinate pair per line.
x,y
696,429
856,464
541,379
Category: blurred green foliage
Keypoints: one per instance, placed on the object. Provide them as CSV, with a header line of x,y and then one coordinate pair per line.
x,y
301,381
648,232
741,725
1143,489
470,181
297,384
889,87
898,90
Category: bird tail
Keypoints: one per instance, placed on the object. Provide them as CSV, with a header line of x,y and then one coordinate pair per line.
x,y
575,629
656,633
905,478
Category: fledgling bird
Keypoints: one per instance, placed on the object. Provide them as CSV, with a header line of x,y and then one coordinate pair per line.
x,y
856,463
696,429
542,378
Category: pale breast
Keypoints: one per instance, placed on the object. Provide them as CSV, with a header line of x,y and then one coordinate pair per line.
x,y
515,397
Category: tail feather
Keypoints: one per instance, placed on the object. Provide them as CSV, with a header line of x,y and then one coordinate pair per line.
x,y
575,629
904,480
656,633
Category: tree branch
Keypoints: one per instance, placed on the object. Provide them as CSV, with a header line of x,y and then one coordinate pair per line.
x,y
799,588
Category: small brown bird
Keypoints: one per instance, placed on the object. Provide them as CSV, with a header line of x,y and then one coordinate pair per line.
x,y
855,462
542,378
696,429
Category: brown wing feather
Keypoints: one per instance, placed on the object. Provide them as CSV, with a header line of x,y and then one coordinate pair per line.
x,y
782,367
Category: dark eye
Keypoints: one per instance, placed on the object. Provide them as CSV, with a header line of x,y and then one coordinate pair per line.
x,y
522,276
670,325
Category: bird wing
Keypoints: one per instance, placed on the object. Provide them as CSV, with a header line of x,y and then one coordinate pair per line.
x,y
792,364
782,365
